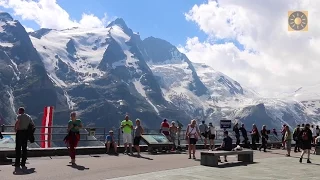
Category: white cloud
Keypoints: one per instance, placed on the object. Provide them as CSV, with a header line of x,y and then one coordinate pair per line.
x,y
28,29
48,14
282,60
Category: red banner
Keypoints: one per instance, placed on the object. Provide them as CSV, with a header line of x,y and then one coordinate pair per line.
x,y
46,129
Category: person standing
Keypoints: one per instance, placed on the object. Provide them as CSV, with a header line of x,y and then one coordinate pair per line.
x,y
283,131
317,130
164,128
138,131
73,137
212,136
306,142
264,139
237,133
254,136
21,128
127,127
288,139
192,134
203,127
173,134
297,138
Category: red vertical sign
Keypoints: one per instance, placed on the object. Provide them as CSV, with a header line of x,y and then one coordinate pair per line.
x,y
46,129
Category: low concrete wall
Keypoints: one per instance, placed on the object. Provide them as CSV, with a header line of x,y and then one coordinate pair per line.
x,y
63,151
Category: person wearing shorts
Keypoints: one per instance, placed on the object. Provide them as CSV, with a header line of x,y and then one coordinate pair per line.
x,y
138,131
192,134
212,136
127,127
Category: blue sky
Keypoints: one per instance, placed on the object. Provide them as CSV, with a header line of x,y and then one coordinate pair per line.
x,y
159,18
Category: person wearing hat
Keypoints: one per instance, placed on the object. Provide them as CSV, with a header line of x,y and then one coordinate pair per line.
x,y
110,142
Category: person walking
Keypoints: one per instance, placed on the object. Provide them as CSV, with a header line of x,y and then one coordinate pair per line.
x,y
264,138
21,128
297,138
203,127
306,142
212,136
237,133
192,135
138,131
245,136
127,127
288,139
73,137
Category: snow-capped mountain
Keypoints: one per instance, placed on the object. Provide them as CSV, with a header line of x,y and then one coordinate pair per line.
x,y
23,78
104,73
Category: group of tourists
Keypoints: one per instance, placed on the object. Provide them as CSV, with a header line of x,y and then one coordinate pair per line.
x,y
305,136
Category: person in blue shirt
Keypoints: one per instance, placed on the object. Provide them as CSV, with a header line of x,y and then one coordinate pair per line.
x,y
111,143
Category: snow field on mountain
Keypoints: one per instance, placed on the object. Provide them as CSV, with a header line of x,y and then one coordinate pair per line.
x,y
90,45
141,90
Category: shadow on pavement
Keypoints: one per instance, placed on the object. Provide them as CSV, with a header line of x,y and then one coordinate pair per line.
x,y
141,157
23,171
78,167
234,164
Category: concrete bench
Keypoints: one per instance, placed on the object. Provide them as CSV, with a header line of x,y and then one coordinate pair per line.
x,y
4,156
210,158
317,149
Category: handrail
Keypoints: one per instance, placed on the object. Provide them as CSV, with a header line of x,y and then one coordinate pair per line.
x,y
101,132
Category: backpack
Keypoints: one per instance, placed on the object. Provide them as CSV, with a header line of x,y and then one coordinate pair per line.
x,y
305,136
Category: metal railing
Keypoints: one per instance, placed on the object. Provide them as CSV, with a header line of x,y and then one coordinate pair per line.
x,y
59,133
100,133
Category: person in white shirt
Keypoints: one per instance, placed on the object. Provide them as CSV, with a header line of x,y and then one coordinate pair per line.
x,y
212,136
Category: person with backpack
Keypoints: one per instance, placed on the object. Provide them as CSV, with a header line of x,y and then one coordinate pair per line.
x,y
306,142
297,138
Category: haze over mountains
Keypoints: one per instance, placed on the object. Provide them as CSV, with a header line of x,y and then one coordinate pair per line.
x,y
103,73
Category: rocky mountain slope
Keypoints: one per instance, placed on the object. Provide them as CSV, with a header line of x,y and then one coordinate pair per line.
x,y
104,73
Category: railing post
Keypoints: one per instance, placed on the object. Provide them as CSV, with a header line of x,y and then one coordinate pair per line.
x,y
119,137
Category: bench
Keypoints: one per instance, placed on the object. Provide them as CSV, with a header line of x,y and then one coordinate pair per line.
x,y
4,156
210,158
317,149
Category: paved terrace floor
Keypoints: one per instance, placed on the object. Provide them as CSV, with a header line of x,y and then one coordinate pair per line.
x,y
272,165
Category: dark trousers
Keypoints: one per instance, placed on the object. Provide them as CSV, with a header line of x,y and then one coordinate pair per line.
x,y
263,144
253,143
297,146
238,139
21,143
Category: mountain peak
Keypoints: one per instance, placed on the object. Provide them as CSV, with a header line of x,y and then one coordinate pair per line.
x,y
120,22
4,16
